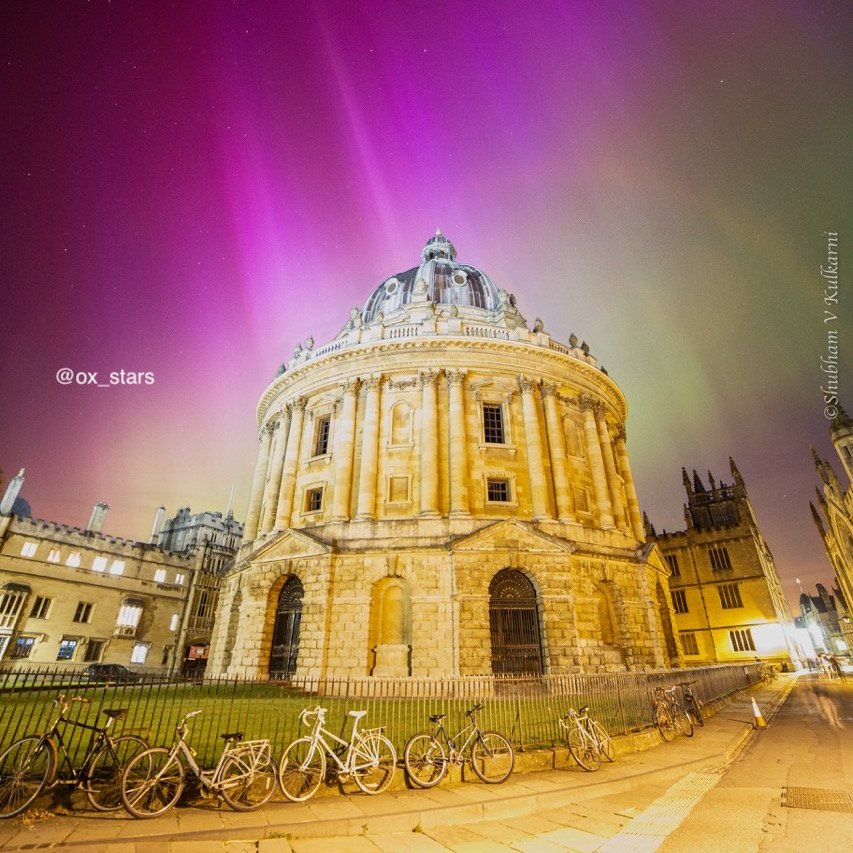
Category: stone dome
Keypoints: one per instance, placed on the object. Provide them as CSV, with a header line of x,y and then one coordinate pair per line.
x,y
439,279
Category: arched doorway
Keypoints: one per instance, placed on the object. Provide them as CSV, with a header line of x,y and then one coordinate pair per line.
x,y
285,634
514,624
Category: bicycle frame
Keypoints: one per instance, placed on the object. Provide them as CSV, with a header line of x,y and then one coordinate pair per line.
x,y
318,738
451,741
54,734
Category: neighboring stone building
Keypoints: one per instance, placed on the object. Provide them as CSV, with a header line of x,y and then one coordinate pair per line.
x,y
823,616
728,600
836,507
78,596
442,490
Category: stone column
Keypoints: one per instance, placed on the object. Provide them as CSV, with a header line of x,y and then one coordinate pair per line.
x,y
596,463
557,450
429,442
630,490
533,440
458,437
291,463
257,494
344,446
616,504
366,508
276,466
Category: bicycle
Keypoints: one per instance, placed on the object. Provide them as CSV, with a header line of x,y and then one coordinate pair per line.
x,y
670,717
767,673
244,776
368,757
588,740
32,763
692,703
426,759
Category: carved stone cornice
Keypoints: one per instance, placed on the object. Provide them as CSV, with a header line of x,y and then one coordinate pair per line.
x,y
403,384
350,386
372,383
299,404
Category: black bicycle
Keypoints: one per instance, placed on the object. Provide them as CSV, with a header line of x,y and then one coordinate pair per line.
x,y
692,703
31,763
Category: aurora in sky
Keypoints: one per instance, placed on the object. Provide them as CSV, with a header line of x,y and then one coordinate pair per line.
x,y
191,189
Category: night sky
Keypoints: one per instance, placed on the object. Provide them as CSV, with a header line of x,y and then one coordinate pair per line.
x,y
191,189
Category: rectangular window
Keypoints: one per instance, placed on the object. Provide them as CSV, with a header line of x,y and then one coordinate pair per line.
x,y
29,549
493,424
729,596
66,649
179,579
22,648
160,576
99,564
321,435
54,555
719,559
83,613
10,606
497,491
94,650
166,659
128,618
203,604
679,600
742,640
689,645
140,652
41,607
173,622
672,562
117,568
73,559
314,500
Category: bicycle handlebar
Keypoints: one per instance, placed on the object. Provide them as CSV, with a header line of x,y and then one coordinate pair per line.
x,y
318,712
63,703
471,711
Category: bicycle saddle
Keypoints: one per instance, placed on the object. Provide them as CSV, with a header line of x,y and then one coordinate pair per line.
x,y
115,713
357,714
583,710
232,736
436,718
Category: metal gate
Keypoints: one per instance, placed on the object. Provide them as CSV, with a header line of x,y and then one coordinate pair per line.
x,y
514,623
285,635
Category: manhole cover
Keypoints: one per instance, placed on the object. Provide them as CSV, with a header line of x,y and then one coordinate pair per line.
x,y
819,799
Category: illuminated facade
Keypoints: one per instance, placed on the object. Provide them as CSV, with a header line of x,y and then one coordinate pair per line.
x,y
442,489
728,601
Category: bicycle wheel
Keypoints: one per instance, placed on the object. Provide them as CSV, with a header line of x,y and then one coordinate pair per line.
x,y
682,720
583,749
695,709
302,769
492,758
247,782
374,764
103,776
665,723
25,768
603,739
425,760
152,783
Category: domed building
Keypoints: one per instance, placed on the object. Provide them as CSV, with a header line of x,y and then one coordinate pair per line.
x,y
442,490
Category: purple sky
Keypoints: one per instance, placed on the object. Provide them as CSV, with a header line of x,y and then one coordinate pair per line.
x,y
191,189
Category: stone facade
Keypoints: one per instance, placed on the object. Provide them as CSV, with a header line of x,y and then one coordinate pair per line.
x,y
726,593
442,490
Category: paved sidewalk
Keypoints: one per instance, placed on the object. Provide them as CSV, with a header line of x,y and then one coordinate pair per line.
x,y
551,810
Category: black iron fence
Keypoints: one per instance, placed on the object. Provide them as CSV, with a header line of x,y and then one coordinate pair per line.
x,y
525,708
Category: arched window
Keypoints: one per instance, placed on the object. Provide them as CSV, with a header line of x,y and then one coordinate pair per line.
x,y
401,424
285,635
514,624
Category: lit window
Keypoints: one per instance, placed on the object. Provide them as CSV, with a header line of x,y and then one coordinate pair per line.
x,y
672,562
689,644
128,618
160,576
140,652
11,602
54,555
83,613
41,607
729,596
719,559
314,500
497,491
29,549
679,601
22,648
117,568
321,435
173,623
742,640
73,559
179,579
493,424
99,564
66,649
